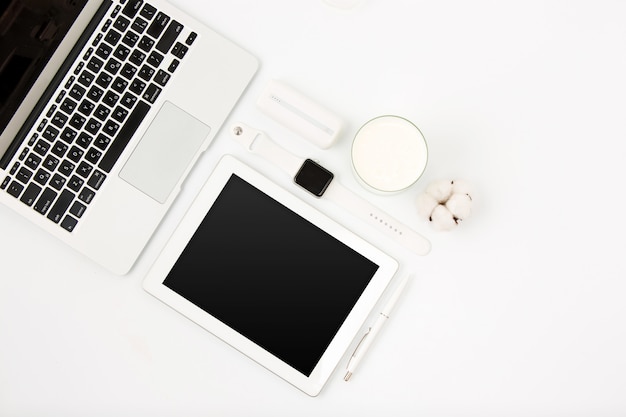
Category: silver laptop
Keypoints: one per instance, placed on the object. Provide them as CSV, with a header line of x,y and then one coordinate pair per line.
x,y
104,108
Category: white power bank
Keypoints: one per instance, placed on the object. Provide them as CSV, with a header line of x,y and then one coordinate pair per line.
x,y
300,114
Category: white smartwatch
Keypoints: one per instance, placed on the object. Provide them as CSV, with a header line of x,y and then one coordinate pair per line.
x,y
319,181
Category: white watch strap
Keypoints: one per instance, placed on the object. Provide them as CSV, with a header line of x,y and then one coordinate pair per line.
x,y
377,218
258,142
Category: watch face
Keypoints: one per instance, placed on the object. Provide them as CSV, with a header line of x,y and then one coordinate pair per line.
x,y
313,177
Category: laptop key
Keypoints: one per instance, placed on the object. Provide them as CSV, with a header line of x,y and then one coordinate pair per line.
x,y
32,161
155,59
106,25
15,189
162,77
145,44
95,64
173,65
151,93
148,11
119,114
97,40
129,100
83,140
86,78
139,25
57,182
179,50
86,107
137,86
95,93
119,84
84,169
116,10
130,38
112,37
68,105
75,154
59,149
51,133
128,71
50,163
60,96
42,176
93,126
104,80
42,147
132,7
121,23
121,52
33,139
69,223
68,135
93,155
102,112
110,99
60,206
113,66
77,91
75,183
158,25
66,167
45,201
102,142
23,154
137,57
86,195
30,194
96,180
191,38
146,72
169,37
77,121
104,51
23,175
53,108
78,209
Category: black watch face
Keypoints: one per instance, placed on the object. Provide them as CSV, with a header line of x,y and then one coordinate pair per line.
x,y
313,177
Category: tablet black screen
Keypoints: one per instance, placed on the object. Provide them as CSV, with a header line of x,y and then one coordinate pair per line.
x,y
271,275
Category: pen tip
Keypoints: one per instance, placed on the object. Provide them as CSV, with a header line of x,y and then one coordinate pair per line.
x,y
347,377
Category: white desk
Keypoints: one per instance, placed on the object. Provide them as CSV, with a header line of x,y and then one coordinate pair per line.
x,y
519,312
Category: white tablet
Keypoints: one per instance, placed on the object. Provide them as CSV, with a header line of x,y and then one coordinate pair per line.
x,y
270,275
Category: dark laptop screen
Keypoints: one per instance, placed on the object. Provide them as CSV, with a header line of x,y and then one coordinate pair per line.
x,y
30,32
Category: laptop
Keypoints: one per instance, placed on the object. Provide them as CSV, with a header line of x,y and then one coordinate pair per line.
x,y
105,106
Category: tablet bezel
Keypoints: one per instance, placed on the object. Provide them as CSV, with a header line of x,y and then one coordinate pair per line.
x,y
153,282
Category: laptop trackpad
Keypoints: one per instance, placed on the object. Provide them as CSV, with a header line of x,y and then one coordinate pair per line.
x,y
164,152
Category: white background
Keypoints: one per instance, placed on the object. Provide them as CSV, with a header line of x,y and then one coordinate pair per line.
x,y
518,312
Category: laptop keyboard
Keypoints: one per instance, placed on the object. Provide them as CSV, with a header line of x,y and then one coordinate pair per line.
x,y
101,103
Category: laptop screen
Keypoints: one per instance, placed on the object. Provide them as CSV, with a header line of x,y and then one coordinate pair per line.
x,y
30,32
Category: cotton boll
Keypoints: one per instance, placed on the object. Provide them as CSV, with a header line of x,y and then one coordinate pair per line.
x,y
461,187
425,203
460,205
440,190
445,203
442,219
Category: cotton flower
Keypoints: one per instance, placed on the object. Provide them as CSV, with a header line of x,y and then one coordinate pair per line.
x,y
445,203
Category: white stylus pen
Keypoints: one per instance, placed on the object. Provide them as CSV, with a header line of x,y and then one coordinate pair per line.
x,y
369,337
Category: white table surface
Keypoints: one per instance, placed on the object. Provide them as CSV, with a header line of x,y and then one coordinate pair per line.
x,y
518,312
